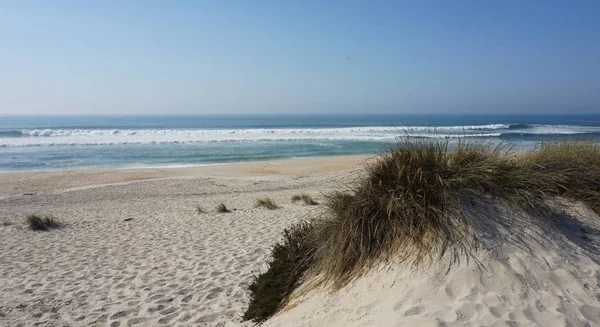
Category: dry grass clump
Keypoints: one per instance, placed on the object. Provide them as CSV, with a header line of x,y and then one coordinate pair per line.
x,y
307,199
42,223
266,202
221,208
574,170
408,207
289,260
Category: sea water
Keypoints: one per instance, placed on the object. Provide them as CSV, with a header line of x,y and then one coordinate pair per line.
x,y
71,142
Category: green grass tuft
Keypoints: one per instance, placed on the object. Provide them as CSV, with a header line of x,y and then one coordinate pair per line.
x,y
266,202
221,208
42,223
289,260
307,199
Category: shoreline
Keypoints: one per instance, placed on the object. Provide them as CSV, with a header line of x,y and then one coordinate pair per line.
x,y
36,181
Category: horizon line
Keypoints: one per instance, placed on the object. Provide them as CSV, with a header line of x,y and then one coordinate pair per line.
x,y
296,114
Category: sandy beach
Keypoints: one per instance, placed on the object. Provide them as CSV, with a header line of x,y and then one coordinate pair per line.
x,y
299,164
133,251
167,265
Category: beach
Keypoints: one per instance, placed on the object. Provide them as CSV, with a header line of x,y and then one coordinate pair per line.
x,y
133,250
299,164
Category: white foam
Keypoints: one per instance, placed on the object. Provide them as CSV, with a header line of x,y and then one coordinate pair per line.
x,y
55,137
560,129
157,136
161,166
37,132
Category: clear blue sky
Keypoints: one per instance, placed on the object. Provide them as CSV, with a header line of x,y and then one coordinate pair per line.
x,y
153,57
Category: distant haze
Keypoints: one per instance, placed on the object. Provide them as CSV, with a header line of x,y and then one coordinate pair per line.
x,y
245,57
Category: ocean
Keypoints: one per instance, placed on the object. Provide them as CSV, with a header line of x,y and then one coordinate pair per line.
x,y
74,142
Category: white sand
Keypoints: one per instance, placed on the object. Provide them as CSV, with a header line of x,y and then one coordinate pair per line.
x,y
169,265
172,266
530,274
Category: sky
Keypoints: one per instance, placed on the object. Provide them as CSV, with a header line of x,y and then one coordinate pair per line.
x,y
246,57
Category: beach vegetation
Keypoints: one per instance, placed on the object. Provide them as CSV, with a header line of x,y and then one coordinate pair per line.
x,y
409,205
42,223
266,202
307,199
290,258
221,208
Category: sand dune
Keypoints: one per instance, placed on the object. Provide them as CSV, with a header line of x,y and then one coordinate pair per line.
x,y
531,274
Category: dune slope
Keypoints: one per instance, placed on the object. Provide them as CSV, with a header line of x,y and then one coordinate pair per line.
x,y
530,271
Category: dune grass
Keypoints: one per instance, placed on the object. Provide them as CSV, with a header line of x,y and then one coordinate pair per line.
x,y
307,199
573,169
289,260
221,208
266,202
42,223
409,205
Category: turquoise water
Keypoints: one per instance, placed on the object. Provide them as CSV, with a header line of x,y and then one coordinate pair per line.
x,y
68,142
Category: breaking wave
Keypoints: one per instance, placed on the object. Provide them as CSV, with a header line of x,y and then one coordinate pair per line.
x,y
54,137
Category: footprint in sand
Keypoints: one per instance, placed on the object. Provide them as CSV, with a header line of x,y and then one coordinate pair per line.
x,y
361,311
157,308
156,297
167,319
186,317
413,311
591,313
498,311
168,310
213,293
119,315
136,321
